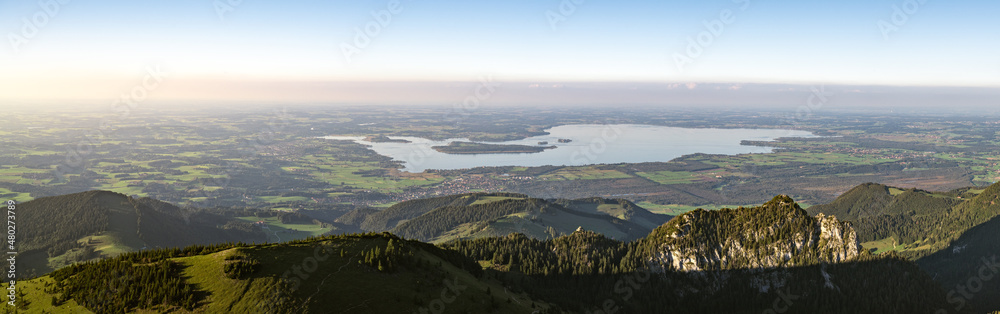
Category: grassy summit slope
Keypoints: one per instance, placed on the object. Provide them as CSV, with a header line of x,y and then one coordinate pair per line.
x,y
371,273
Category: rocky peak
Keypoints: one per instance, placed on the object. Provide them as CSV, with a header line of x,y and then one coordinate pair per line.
x,y
778,233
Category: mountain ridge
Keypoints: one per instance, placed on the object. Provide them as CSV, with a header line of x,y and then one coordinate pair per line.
x,y
748,255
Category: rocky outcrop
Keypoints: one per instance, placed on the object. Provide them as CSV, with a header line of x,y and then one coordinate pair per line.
x,y
776,234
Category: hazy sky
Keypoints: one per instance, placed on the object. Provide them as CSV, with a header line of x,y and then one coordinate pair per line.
x,y
235,49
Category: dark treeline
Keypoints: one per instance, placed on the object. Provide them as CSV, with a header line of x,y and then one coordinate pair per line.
x,y
914,218
580,273
443,219
389,218
146,279
56,223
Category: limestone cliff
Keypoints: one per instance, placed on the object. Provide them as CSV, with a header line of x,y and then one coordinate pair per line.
x,y
776,234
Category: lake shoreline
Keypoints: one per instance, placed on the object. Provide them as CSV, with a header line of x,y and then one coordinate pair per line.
x,y
583,144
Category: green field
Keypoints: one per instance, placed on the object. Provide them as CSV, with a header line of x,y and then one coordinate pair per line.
x,y
283,199
490,199
6,194
670,177
584,173
281,232
881,246
677,209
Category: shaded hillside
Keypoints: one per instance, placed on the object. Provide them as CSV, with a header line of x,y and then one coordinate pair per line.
x,y
872,199
962,252
580,253
952,236
785,261
861,201
868,284
583,272
356,217
535,217
924,222
969,268
474,215
618,208
968,214
388,218
369,273
441,220
906,216
57,222
76,227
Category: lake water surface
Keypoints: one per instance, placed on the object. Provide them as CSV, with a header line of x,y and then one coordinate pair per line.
x,y
591,144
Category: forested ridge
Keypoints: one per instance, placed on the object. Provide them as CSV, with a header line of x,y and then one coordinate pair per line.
x,y
579,273
388,218
608,275
878,214
951,235
476,215
64,226
440,220
774,257
618,208
57,222
921,222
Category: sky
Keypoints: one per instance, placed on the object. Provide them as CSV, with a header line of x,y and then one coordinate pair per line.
x,y
322,50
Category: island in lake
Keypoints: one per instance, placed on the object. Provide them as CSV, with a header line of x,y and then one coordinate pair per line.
x,y
384,139
483,148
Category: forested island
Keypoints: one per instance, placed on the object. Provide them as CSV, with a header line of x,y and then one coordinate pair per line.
x,y
482,148
383,139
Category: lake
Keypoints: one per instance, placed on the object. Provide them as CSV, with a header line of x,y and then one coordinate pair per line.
x,y
590,144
